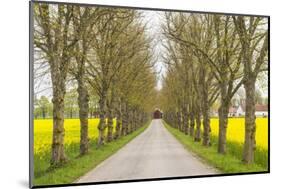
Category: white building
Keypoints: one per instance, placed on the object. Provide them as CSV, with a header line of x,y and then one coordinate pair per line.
x,y
236,111
239,111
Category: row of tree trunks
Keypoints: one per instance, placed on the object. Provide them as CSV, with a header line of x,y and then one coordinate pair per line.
x,y
190,123
64,37
186,122
226,52
127,120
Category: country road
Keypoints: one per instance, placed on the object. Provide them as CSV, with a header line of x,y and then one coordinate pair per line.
x,y
155,153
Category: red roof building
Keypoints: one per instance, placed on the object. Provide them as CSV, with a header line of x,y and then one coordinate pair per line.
x,y
261,108
157,114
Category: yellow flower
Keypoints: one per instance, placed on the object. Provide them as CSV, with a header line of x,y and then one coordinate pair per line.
x,y
43,129
236,130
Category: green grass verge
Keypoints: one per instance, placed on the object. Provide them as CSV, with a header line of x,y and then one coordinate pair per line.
x,y
77,166
227,163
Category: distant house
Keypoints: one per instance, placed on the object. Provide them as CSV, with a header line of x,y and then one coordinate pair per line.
x,y
157,114
214,113
236,111
232,111
239,111
261,110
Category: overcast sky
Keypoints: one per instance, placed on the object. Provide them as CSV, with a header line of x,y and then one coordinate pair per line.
x,y
154,24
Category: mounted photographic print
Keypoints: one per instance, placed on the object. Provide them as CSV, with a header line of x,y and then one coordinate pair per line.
x,y
122,94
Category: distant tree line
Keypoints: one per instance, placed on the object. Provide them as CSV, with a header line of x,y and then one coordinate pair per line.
x,y
43,107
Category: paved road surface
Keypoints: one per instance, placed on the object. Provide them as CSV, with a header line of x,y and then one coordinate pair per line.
x,y
155,153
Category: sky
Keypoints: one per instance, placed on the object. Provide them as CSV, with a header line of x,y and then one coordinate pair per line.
x,y
154,24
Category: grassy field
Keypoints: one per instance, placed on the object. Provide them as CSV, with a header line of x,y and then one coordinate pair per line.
x,y
231,161
76,166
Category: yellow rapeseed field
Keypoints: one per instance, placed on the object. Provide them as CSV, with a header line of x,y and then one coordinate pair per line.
x,y
43,129
236,131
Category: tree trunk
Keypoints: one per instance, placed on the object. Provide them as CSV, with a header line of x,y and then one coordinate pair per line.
x,y
192,124
223,121
250,125
206,125
43,113
102,124
170,119
175,120
185,120
179,120
186,131
223,114
130,118
140,123
110,125
124,119
118,120
141,117
135,121
206,118
197,137
83,102
70,115
58,155
182,128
